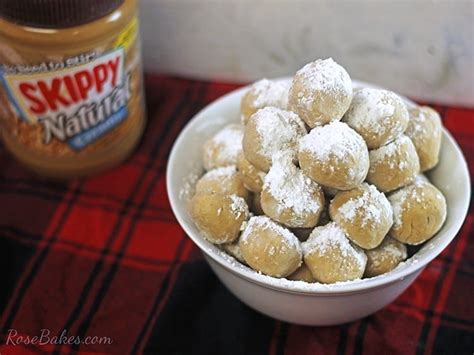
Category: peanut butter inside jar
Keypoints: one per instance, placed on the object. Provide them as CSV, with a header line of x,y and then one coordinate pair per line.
x,y
71,96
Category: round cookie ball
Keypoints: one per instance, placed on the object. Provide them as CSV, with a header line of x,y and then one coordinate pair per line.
x,y
289,196
379,116
331,257
223,148
269,248
394,165
385,257
271,130
364,214
425,131
419,212
302,274
219,217
321,92
335,156
233,249
264,93
249,174
223,181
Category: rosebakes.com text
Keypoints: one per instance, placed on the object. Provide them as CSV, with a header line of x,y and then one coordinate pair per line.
x,y
46,338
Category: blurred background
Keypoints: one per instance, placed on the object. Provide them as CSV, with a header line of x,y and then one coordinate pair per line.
x,y
420,48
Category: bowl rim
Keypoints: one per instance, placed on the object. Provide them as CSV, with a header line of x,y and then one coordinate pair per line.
x,y
355,286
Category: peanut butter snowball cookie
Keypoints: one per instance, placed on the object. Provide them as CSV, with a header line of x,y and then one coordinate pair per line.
x,y
271,130
419,212
364,214
385,257
302,274
219,217
249,174
321,92
335,156
394,165
223,148
269,248
290,197
233,249
264,93
425,131
223,181
331,257
379,116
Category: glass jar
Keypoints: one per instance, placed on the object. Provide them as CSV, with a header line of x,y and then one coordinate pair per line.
x,y
71,99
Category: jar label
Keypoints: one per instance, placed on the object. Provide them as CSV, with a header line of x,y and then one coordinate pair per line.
x,y
76,105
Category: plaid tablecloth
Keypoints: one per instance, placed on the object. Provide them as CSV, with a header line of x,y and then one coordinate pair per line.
x,y
103,260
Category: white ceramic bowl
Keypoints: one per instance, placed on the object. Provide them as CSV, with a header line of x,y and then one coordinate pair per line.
x,y
296,301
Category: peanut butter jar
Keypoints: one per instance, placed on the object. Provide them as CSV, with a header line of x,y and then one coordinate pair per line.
x,y
71,99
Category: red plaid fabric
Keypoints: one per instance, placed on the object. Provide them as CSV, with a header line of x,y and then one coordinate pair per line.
x,y
105,258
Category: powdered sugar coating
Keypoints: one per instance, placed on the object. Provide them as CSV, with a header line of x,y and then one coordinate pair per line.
x,y
372,205
262,223
394,165
223,148
271,130
324,239
291,187
278,130
336,144
270,93
238,206
321,92
221,172
419,212
425,130
388,250
400,200
417,127
391,150
323,75
379,116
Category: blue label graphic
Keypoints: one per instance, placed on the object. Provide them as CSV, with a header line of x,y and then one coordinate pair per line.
x,y
81,140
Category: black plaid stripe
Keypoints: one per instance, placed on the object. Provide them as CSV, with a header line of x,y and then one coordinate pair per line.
x,y
22,288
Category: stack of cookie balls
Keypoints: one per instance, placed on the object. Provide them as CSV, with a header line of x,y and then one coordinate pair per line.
x,y
320,182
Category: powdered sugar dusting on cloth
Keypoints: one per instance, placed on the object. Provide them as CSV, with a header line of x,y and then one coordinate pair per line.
x,y
324,239
323,76
336,142
263,222
372,206
270,93
279,130
289,186
370,108
229,142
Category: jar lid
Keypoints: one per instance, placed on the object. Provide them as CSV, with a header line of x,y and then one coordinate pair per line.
x,y
56,13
